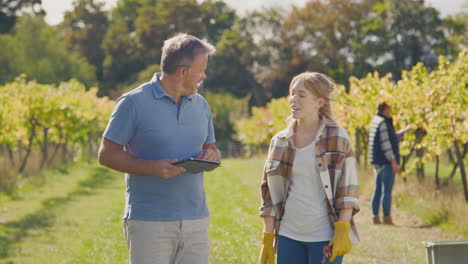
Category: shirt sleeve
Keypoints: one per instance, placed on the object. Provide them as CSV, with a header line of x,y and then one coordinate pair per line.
x,y
211,134
266,209
385,142
400,134
347,194
122,123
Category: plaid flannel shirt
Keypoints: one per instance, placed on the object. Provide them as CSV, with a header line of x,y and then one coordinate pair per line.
x,y
336,166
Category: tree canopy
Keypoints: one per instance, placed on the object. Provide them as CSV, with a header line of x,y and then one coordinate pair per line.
x,y
11,9
257,53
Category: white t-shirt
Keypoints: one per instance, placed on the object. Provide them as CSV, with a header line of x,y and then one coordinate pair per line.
x,y
306,217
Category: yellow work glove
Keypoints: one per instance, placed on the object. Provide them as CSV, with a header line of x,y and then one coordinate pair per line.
x,y
340,242
267,254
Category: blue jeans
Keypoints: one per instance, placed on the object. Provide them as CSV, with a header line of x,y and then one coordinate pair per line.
x,y
291,251
383,180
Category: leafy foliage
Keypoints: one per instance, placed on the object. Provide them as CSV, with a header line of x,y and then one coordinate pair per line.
x,y
432,103
226,109
84,29
38,115
264,122
139,28
9,10
34,48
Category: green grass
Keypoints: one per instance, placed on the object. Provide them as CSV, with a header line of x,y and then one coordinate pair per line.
x,y
75,217
233,199
445,169
72,220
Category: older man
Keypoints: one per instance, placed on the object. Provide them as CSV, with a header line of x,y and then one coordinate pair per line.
x,y
166,217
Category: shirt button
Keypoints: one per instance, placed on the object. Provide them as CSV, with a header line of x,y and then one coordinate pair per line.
x,y
326,186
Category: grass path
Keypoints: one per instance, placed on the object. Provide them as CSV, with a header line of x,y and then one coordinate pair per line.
x,y
76,218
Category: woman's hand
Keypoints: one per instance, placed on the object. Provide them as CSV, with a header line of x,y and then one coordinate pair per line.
x,y
340,242
267,254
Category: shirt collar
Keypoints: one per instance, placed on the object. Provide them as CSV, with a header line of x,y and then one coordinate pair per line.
x,y
289,131
384,116
158,91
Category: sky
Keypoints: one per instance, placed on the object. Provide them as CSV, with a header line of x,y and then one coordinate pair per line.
x,y
56,8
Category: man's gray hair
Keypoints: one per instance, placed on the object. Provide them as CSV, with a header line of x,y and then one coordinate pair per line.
x,y
181,50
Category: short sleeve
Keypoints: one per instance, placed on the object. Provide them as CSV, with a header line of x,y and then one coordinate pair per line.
x,y
211,135
122,124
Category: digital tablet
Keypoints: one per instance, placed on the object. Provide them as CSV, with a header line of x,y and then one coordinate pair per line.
x,y
194,165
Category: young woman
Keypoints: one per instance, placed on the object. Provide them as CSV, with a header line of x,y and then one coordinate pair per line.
x,y
310,185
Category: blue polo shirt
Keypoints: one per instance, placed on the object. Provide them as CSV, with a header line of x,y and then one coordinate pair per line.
x,y
150,124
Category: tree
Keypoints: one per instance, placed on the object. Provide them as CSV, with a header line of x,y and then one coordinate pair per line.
x,y
269,52
122,57
10,9
139,28
34,48
323,34
217,17
246,56
456,29
8,69
347,37
125,12
85,27
415,34
229,71
226,109
155,24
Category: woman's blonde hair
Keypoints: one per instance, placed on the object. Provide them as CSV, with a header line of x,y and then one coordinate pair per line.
x,y
321,86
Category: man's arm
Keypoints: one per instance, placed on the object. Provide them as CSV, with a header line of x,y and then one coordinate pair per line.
x,y
400,133
113,155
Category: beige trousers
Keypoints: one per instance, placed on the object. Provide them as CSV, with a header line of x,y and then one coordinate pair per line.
x,y
167,242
